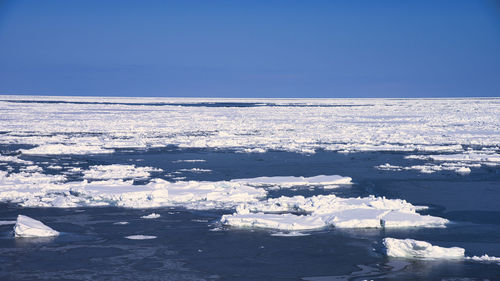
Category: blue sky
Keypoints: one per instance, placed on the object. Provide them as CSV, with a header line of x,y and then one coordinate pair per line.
x,y
250,48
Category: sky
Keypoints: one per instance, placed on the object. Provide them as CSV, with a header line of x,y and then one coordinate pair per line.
x,y
280,49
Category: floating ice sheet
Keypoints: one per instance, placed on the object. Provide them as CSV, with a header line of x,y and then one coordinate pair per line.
x,y
116,171
415,249
151,216
27,227
300,213
291,181
141,237
410,248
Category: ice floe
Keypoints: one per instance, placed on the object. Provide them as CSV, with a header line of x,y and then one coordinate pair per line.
x,y
461,163
459,168
56,149
189,161
151,216
301,213
415,249
485,259
28,227
7,222
116,171
288,181
289,234
140,237
196,170
14,159
410,248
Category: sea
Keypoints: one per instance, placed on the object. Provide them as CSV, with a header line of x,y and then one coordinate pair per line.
x,y
191,244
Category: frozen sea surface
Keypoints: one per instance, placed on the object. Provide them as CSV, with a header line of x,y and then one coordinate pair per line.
x,y
60,151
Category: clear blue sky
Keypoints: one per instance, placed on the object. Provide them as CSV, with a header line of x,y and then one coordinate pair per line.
x,y
251,48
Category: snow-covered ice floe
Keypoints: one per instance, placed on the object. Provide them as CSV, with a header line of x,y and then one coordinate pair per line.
x,y
75,149
415,249
289,234
28,227
151,216
301,213
7,222
116,171
288,181
484,258
140,237
461,163
410,248
459,168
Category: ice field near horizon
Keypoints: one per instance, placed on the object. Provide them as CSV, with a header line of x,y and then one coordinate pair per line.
x,y
249,189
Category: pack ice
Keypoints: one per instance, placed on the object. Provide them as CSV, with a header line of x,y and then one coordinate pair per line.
x,y
426,125
28,227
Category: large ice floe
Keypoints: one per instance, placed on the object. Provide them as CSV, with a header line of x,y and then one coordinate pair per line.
x,y
301,213
410,248
27,227
415,249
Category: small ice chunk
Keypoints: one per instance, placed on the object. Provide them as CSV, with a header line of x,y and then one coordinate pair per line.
x,y
463,171
410,248
28,227
189,161
151,216
289,234
121,222
140,237
7,222
484,258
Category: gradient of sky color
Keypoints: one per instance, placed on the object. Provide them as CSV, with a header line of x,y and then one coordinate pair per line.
x,y
448,48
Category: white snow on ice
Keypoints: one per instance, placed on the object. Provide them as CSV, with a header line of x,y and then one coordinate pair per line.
x,y
410,248
415,249
27,227
485,258
151,216
140,237
287,181
189,161
347,125
116,171
301,213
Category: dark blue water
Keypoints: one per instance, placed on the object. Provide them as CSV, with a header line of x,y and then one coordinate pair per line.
x,y
187,248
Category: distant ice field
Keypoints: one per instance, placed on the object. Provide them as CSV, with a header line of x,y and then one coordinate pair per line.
x,y
258,176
